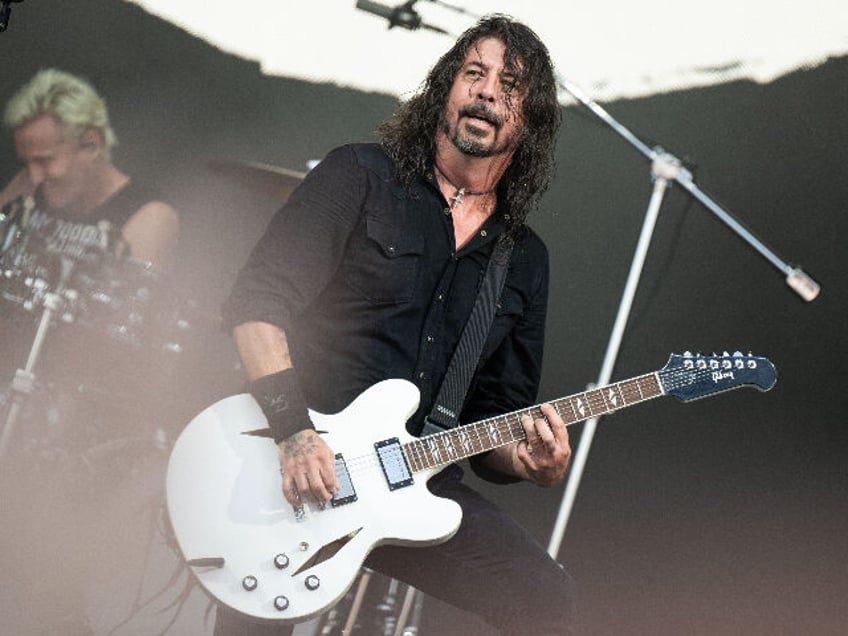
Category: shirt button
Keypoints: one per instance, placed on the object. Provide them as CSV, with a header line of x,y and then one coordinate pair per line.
x,y
423,375
430,339
446,211
391,249
484,233
440,298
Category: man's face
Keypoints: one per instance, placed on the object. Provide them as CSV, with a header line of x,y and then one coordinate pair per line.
x,y
483,116
54,161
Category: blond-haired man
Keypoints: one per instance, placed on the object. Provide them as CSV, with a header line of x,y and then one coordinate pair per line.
x,y
69,189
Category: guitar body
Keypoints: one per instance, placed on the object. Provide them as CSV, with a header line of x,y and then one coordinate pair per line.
x,y
250,549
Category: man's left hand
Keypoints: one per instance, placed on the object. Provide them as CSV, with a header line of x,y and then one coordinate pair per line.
x,y
546,452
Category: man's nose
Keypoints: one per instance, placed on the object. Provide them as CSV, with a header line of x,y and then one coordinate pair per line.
x,y
487,88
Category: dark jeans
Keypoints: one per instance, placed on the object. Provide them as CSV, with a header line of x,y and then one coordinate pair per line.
x,y
491,567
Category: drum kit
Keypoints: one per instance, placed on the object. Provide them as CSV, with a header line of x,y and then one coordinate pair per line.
x,y
84,314
108,306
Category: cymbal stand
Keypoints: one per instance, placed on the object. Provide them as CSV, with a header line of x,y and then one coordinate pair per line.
x,y
23,382
413,604
333,623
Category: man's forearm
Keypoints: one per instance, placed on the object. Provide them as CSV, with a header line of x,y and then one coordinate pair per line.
x,y
263,348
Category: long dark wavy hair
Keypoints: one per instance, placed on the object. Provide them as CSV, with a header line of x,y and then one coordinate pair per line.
x,y
409,136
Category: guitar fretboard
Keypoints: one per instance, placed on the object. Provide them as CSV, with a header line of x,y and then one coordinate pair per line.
x,y
472,439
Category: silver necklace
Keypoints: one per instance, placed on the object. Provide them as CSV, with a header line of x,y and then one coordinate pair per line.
x,y
461,192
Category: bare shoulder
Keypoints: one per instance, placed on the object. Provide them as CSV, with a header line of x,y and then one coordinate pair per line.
x,y
157,210
152,231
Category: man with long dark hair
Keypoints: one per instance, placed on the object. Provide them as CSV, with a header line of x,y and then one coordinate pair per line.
x,y
371,270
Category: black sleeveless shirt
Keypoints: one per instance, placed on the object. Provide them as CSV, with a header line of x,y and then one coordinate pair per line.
x,y
62,233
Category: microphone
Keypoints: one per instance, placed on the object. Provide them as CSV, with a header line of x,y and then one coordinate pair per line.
x,y
403,16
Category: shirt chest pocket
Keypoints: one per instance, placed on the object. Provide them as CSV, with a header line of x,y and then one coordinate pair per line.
x,y
384,262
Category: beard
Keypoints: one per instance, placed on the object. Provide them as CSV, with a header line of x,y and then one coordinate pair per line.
x,y
471,140
469,145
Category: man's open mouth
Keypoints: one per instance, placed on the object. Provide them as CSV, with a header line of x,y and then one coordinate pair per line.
x,y
482,115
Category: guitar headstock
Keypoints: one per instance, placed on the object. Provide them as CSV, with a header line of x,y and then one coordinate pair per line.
x,y
691,376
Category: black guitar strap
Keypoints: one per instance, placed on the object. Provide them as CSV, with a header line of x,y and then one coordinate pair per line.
x,y
451,397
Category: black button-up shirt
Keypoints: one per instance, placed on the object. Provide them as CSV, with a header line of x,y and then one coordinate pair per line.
x,y
362,273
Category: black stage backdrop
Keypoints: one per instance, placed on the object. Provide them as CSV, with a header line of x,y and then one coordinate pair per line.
x,y
725,516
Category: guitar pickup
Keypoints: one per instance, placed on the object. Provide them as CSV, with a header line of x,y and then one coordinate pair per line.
x,y
395,469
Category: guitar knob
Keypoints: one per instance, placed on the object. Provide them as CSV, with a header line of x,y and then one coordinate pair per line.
x,y
281,603
249,583
312,582
281,561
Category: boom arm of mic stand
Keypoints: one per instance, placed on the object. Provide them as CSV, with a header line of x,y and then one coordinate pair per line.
x,y
796,278
664,168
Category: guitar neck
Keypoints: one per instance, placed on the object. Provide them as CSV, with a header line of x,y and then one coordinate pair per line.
x,y
472,439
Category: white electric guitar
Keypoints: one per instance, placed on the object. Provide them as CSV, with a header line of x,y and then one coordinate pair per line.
x,y
253,552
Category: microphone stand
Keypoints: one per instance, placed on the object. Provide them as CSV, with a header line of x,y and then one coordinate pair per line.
x,y
665,168
23,382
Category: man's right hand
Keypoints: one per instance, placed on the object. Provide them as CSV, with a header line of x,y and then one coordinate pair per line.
x,y
308,468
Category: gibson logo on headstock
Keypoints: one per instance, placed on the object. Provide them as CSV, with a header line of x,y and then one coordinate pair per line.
x,y
718,376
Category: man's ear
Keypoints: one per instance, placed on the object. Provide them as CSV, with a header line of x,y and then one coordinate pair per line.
x,y
91,141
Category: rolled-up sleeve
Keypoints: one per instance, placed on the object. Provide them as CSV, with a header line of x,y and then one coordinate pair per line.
x,y
302,247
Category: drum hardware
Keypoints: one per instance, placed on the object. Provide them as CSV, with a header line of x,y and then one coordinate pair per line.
x,y
23,381
106,295
390,618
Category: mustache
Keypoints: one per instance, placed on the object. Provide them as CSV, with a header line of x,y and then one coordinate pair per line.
x,y
482,111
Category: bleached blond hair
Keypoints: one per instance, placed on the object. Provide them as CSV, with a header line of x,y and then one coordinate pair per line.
x,y
71,100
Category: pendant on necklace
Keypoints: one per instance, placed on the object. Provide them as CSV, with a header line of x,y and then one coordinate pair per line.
x,y
456,200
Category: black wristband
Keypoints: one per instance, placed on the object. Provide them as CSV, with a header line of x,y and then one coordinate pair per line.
x,y
282,402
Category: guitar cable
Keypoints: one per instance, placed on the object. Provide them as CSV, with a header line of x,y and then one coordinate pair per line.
x,y
160,522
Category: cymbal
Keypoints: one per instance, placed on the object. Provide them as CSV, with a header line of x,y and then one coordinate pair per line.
x,y
274,180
